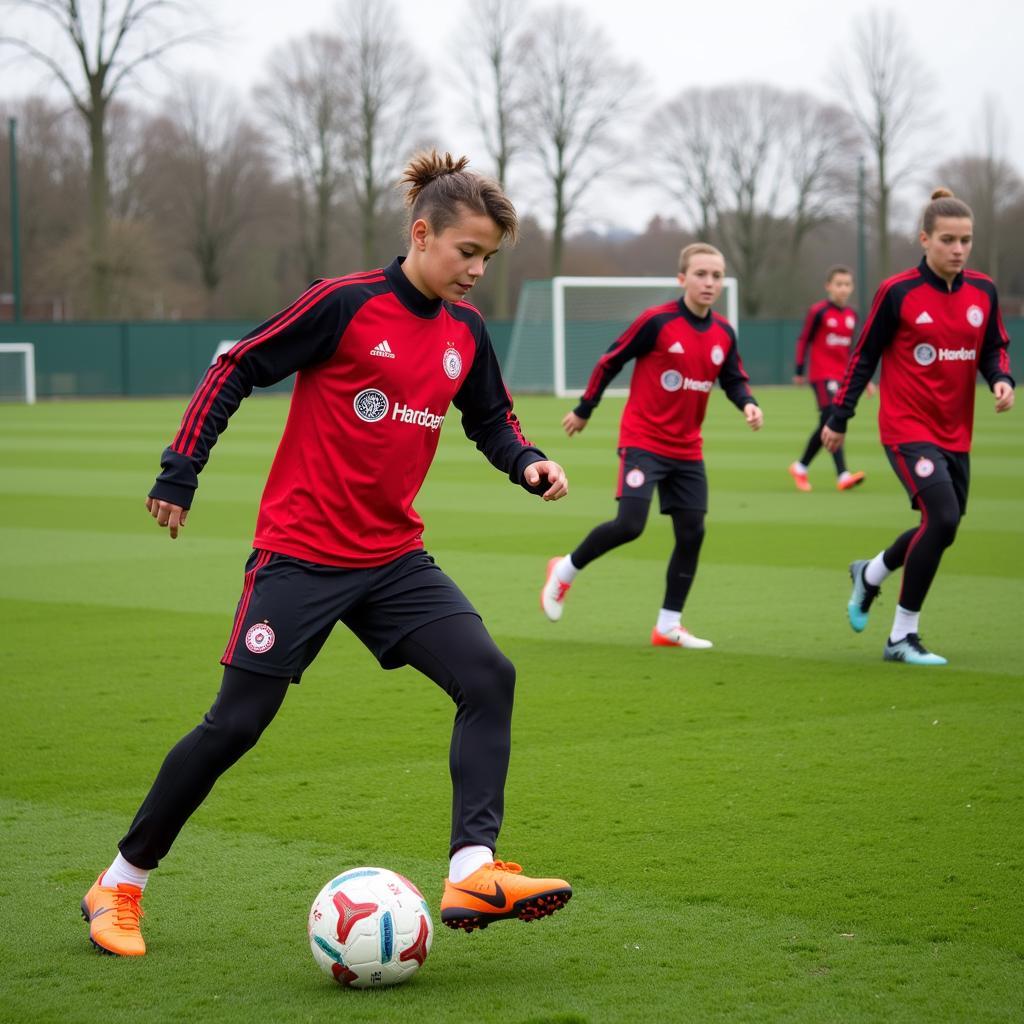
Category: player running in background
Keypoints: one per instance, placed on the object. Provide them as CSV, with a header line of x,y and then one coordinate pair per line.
x,y
681,348
827,334
934,328
379,358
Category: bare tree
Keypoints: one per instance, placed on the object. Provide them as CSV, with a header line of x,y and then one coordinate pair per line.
x,y
101,46
207,161
886,89
306,100
576,102
988,182
388,90
492,47
682,139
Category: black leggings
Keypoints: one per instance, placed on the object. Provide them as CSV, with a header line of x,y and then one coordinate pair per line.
x,y
628,524
457,653
814,446
920,550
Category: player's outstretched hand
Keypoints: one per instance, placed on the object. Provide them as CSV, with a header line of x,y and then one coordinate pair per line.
x,y
167,515
558,485
754,416
573,424
1004,395
831,439
871,389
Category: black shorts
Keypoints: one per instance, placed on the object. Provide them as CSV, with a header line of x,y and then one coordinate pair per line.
x,y
681,483
920,465
824,392
288,608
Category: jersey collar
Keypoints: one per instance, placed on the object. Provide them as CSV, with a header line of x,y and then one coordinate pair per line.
x,y
938,282
408,294
698,323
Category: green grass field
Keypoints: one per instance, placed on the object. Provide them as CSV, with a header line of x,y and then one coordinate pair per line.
x,y
782,829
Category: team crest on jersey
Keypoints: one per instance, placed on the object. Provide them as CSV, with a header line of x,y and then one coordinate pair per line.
x,y
924,354
924,467
975,316
635,478
452,362
260,638
371,405
671,380
717,355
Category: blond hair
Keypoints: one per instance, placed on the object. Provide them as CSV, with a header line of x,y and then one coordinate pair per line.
x,y
943,204
696,249
438,186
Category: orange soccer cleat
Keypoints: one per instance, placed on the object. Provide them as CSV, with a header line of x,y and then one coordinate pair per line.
x,y
799,477
497,891
679,637
849,480
552,594
113,915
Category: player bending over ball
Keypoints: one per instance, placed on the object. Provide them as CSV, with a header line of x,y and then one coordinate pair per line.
x,y
379,357
934,328
681,348
827,334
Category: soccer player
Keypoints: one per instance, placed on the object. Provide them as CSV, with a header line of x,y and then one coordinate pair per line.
x,y
934,328
681,348
827,335
379,358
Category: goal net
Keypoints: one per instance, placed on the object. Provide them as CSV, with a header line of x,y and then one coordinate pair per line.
x,y
564,325
18,372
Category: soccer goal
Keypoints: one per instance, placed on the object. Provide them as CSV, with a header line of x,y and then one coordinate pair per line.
x,y
18,372
562,327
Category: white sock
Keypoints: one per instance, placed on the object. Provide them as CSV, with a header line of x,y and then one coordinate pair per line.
x,y
845,475
121,871
876,570
667,620
565,571
904,623
799,467
466,860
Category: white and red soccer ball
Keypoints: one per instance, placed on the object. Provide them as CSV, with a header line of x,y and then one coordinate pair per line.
x,y
370,927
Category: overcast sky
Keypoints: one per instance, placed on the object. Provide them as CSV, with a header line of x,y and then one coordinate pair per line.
x,y
970,50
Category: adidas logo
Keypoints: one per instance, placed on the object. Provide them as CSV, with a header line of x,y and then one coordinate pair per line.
x,y
924,318
383,350
676,347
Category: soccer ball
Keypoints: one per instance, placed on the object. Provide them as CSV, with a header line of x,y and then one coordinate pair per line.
x,y
370,927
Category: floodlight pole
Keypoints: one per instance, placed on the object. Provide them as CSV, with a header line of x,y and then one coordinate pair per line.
x,y
862,251
15,227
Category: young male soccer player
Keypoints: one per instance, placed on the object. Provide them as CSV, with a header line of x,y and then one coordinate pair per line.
x,y
681,348
380,356
827,334
934,328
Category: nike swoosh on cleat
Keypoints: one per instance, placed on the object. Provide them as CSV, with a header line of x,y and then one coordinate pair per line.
x,y
497,899
98,913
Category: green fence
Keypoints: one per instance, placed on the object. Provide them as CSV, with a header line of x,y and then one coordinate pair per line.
x,y
169,358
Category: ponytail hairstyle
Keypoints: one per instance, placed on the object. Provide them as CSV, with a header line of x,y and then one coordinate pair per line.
x,y
696,249
439,187
943,204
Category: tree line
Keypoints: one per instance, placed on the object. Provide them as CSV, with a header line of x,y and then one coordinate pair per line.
x,y
214,203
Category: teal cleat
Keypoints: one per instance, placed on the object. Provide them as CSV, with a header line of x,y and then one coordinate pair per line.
x,y
911,651
860,597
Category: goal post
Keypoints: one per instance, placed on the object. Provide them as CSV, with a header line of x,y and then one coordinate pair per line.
x,y
18,372
565,324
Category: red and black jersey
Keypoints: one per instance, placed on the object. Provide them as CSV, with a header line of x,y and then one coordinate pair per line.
x,y
932,340
827,334
378,364
679,356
